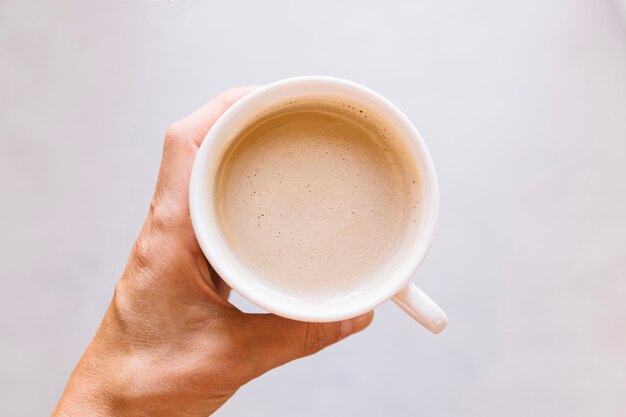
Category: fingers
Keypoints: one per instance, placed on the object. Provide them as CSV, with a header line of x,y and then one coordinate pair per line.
x,y
179,151
275,340
195,126
184,136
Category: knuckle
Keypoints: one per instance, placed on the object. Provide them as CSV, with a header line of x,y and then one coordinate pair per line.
x,y
147,251
142,252
161,215
120,291
157,216
120,297
229,96
173,132
318,336
124,304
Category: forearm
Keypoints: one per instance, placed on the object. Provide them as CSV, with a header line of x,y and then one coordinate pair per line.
x,y
86,394
96,386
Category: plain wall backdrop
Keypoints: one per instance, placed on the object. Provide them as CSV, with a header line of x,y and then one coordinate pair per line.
x,y
523,106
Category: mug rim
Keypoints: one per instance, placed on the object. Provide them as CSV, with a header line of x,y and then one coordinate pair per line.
x,y
211,241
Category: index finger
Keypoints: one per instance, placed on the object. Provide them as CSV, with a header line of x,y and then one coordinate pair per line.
x,y
181,145
197,124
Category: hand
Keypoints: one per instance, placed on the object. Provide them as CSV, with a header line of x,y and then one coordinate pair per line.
x,y
170,343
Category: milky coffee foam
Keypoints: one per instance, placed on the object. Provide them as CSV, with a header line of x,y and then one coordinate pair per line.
x,y
317,197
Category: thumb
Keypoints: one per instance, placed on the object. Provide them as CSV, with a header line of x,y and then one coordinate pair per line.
x,y
275,340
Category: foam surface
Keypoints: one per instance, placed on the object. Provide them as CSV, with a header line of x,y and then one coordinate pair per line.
x,y
316,197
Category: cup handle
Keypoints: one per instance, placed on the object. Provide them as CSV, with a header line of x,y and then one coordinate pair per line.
x,y
419,306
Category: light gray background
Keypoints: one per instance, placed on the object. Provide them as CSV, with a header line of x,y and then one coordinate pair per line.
x,y
522,103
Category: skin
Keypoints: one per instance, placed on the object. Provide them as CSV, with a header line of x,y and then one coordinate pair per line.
x,y
170,344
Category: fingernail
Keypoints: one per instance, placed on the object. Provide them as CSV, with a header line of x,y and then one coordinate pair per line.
x,y
356,324
346,328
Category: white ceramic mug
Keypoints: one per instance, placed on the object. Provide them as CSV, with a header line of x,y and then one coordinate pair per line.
x,y
396,285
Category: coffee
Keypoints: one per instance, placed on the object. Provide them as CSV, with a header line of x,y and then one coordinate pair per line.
x,y
317,196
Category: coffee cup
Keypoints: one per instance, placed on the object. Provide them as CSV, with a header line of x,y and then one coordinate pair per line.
x,y
395,284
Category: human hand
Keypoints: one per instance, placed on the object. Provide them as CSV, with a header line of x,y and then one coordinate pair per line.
x,y
170,343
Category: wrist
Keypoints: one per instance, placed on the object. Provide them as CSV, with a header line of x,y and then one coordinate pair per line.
x,y
95,387
85,395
